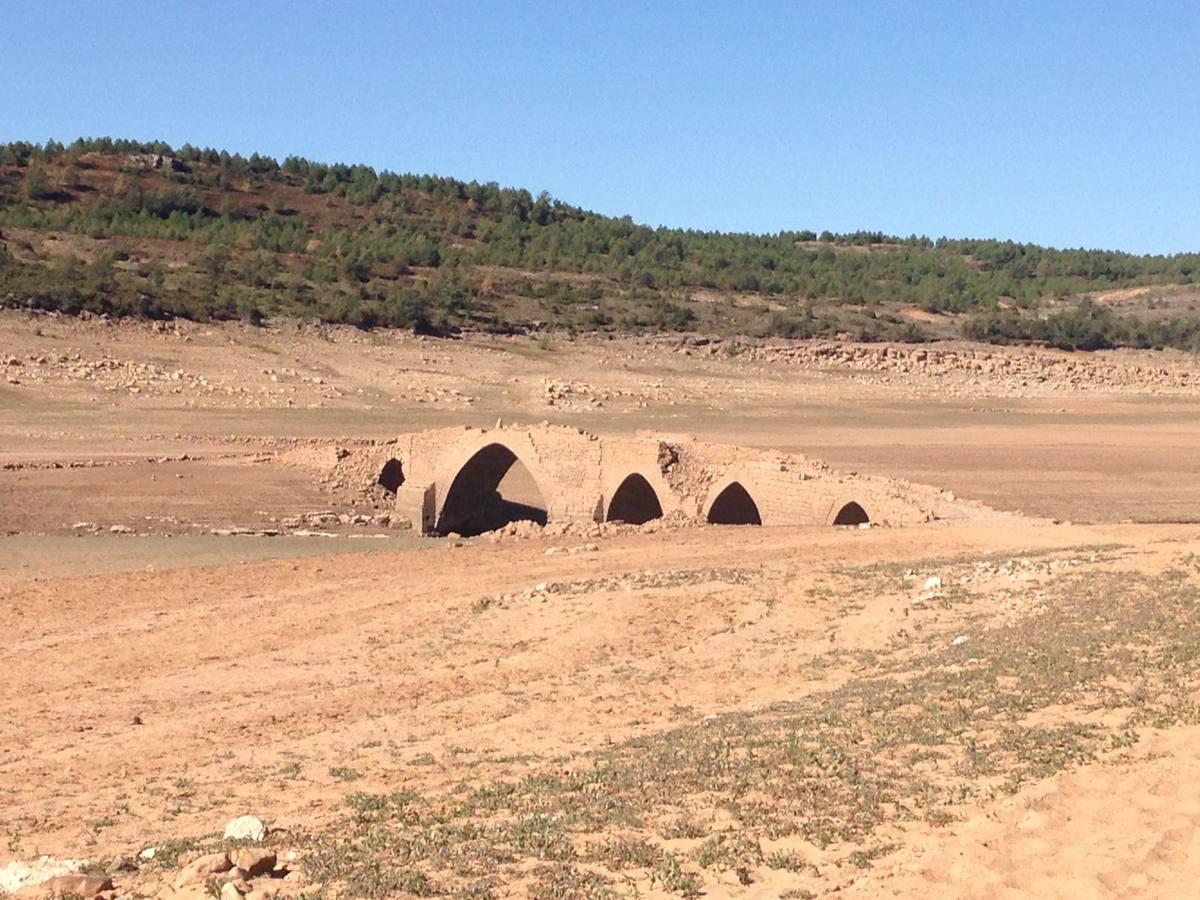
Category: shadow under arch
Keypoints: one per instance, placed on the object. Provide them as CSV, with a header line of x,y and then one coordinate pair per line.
x,y
634,501
734,506
851,514
474,503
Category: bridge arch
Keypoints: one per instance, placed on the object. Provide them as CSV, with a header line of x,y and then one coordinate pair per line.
x,y
473,504
848,512
391,476
730,503
634,501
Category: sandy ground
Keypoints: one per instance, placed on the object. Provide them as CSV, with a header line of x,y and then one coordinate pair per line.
x,y
164,678
1127,829
1085,449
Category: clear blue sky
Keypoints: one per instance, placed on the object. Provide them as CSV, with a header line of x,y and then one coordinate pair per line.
x,y
1067,123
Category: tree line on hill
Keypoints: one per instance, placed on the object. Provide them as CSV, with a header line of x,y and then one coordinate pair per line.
x,y
349,243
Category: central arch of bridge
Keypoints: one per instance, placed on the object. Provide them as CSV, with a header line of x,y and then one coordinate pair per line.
x,y
734,506
491,489
634,501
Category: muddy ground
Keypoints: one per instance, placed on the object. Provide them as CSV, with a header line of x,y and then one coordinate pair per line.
x,y
999,711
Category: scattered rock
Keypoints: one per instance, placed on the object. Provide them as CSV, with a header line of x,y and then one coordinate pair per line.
x,y
245,828
265,891
202,868
78,885
254,861
18,874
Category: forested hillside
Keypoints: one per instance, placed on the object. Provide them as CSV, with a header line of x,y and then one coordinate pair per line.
x,y
132,228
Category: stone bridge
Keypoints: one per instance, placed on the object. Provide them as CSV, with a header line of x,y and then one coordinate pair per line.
x,y
448,481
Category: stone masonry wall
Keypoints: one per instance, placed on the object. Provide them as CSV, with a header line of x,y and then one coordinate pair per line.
x,y
577,473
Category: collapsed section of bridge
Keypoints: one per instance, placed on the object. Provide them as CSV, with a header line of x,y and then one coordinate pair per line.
x,y
465,481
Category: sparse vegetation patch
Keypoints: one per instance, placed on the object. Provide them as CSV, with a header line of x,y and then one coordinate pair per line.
x,y
916,739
